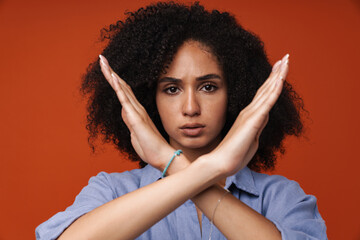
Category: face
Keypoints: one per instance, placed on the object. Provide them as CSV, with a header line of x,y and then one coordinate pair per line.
x,y
192,98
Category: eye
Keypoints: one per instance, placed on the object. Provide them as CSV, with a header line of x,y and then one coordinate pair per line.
x,y
171,90
208,87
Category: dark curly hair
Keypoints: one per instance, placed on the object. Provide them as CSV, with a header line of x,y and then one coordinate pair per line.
x,y
141,48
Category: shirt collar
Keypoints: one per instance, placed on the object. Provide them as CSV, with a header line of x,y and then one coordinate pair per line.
x,y
243,179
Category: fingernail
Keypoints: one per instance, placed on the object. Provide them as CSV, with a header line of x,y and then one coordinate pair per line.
x,y
113,75
276,65
102,60
286,57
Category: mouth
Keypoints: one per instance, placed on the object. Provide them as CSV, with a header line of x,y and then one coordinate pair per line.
x,y
192,129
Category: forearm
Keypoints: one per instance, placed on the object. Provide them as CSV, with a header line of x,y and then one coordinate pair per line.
x,y
132,214
233,218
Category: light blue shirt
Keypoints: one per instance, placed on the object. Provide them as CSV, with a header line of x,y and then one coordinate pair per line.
x,y
280,200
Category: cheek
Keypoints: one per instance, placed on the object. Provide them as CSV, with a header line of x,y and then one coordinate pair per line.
x,y
218,116
217,109
167,112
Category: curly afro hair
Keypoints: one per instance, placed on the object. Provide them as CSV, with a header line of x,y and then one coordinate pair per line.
x,y
141,48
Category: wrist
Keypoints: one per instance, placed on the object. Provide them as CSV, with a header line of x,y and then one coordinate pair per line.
x,y
213,164
210,165
165,156
179,163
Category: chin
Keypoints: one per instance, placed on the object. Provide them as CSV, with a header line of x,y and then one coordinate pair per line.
x,y
202,142
194,146
194,143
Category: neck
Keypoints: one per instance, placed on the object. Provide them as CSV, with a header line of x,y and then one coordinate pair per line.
x,y
194,153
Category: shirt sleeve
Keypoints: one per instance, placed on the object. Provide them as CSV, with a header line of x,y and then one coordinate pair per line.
x,y
98,192
295,213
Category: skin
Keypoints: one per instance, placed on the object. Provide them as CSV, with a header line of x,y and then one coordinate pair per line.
x,y
191,99
188,178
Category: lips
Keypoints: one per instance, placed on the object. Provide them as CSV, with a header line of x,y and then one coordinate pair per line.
x,y
192,129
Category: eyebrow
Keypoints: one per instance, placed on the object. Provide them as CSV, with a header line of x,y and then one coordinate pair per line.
x,y
201,78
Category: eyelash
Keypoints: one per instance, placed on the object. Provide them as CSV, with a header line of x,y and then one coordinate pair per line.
x,y
167,90
213,88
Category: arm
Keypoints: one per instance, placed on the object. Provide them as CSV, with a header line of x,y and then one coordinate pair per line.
x,y
144,207
137,211
233,218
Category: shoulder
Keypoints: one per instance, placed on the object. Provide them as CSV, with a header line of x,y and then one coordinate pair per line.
x,y
286,204
279,193
272,184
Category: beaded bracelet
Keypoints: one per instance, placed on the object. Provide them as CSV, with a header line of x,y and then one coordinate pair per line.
x,y
213,215
176,153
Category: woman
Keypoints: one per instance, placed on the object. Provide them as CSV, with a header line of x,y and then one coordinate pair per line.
x,y
216,110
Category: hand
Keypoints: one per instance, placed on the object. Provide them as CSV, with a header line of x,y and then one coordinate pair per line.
x,y
242,141
145,138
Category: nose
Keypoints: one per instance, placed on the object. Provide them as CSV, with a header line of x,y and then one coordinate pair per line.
x,y
191,105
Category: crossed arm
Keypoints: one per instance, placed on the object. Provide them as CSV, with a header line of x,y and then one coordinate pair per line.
x,y
137,211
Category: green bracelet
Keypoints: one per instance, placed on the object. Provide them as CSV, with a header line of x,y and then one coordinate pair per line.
x,y
176,153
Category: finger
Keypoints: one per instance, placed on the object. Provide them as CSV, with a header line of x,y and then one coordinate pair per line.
x,y
122,96
123,84
279,68
119,84
259,111
263,93
133,120
132,98
273,88
106,71
115,79
273,76
284,71
124,100
269,95
129,93
273,73
109,72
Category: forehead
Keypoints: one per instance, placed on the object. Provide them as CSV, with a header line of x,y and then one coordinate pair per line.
x,y
193,59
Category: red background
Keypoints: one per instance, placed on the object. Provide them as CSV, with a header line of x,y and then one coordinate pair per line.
x,y
47,45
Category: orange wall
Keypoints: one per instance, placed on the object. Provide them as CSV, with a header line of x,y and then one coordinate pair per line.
x,y
46,46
